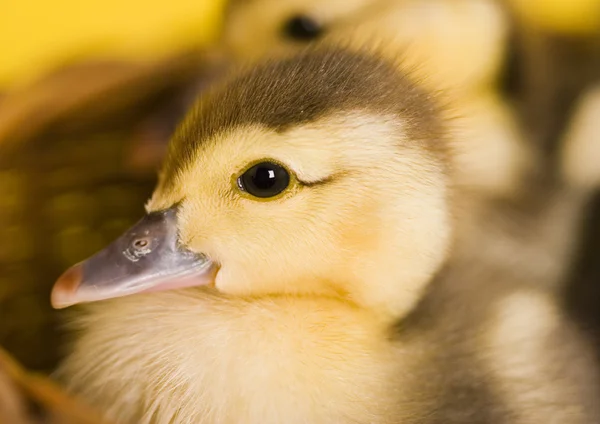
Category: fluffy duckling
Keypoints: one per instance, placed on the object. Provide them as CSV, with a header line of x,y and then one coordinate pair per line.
x,y
559,102
580,156
310,196
458,44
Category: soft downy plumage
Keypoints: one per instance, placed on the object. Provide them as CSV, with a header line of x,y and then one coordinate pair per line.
x,y
373,288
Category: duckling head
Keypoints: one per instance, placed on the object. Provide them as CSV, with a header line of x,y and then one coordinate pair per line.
x,y
455,45
321,174
284,25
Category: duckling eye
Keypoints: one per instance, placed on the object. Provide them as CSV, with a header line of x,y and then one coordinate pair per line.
x,y
302,28
265,179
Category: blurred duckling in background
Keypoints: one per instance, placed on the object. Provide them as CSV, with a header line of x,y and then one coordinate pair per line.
x,y
580,158
313,199
557,67
456,43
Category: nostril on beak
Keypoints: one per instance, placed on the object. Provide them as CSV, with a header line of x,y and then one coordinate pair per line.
x,y
140,243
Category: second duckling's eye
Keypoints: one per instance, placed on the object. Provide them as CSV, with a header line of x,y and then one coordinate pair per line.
x,y
266,179
302,28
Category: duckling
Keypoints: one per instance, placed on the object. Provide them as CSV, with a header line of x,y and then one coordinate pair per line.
x,y
580,157
312,250
298,243
456,43
558,102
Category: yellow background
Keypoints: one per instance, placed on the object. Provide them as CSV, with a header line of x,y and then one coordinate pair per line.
x,y
38,34
564,16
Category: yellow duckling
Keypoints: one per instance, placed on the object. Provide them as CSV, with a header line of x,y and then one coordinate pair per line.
x,y
308,206
579,158
312,196
559,103
457,43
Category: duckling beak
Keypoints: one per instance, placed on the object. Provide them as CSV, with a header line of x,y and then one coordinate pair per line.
x,y
146,258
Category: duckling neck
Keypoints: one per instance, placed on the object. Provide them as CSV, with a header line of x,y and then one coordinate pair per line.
x,y
194,357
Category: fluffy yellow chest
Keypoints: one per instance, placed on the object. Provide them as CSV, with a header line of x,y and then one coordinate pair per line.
x,y
189,357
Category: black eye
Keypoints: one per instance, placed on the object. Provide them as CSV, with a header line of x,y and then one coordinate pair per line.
x,y
265,179
302,28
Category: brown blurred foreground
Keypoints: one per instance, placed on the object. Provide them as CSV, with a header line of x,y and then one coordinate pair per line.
x,y
27,398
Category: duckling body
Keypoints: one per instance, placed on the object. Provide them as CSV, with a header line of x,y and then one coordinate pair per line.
x,y
484,345
271,360
352,295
